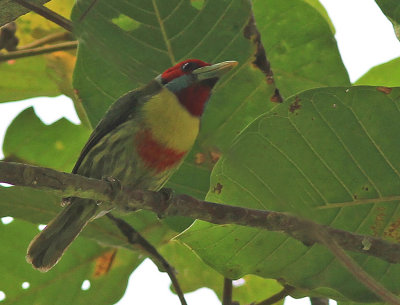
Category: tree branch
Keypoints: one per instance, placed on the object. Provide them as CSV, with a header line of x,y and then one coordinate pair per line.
x,y
70,185
127,198
47,13
134,237
69,45
184,205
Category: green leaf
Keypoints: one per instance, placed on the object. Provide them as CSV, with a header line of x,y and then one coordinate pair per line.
x,y
387,74
25,78
107,271
192,274
57,145
10,10
391,8
317,156
300,46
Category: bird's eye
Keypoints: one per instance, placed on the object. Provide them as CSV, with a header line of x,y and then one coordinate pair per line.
x,y
189,66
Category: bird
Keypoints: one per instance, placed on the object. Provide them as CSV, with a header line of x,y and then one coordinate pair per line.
x,y
141,141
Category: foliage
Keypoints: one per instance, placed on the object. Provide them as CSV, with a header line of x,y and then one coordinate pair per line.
x,y
317,155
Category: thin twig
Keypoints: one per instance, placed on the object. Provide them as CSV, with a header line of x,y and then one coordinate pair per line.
x,y
287,289
227,294
63,46
134,238
63,36
47,13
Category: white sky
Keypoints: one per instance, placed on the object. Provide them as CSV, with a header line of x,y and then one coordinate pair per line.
x,y
365,38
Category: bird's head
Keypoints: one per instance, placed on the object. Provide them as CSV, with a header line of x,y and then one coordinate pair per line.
x,y
192,81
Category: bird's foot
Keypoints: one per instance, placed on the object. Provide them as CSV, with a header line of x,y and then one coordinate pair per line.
x,y
168,194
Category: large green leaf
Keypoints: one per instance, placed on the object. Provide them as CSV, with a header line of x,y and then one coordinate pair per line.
x,y
317,155
300,46
387,74
57,145
106,269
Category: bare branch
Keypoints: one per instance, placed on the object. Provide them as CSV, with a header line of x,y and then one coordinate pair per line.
x,y
47,13
301,229
69,45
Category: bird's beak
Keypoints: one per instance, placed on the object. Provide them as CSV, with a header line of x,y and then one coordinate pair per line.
x,y
214,71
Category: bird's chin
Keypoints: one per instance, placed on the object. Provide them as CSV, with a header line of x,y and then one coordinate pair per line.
x,y
209,82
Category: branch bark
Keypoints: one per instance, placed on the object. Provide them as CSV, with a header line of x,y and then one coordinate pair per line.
x,y
70,185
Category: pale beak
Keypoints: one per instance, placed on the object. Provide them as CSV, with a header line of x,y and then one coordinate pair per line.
x,y
214,71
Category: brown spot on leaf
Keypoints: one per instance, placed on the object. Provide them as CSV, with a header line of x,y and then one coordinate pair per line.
x,y
199,158
355,196
393,230
215,155
383,89
218,188
295,105
104,263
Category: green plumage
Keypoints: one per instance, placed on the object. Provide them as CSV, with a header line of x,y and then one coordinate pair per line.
x,y
109,152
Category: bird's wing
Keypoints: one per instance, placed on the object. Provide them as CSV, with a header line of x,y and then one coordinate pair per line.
x,y
119,112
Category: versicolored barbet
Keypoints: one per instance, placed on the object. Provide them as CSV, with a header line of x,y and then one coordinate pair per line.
x,y
141,141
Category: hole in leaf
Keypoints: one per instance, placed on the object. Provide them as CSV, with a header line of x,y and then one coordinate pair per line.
x,y
197,4
239,282
2,296
41,227
126,23
25,285
85,285
6,220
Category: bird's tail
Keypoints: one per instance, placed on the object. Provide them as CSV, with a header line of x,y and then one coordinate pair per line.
x,y
46,249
